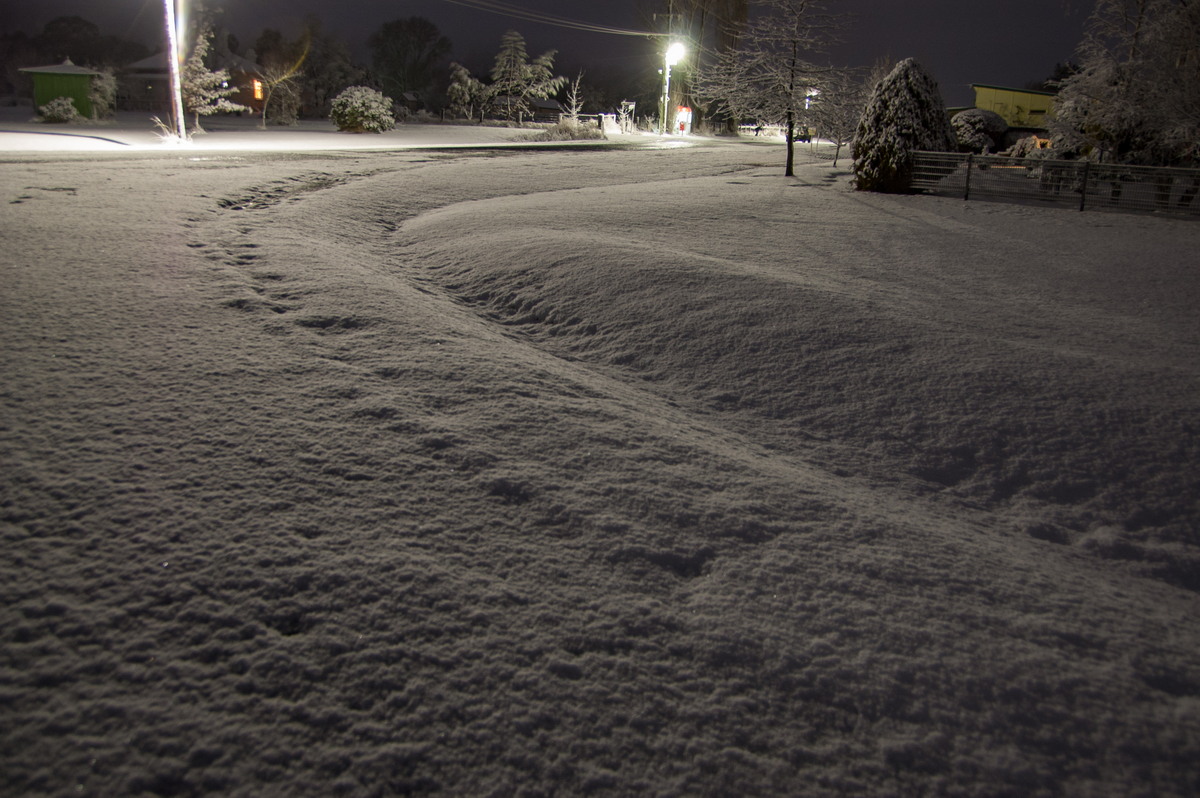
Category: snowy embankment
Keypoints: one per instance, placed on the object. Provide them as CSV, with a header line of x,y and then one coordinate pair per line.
x,y
638,472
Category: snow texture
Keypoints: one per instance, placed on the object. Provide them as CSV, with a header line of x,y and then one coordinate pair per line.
x,y
609,472
904,114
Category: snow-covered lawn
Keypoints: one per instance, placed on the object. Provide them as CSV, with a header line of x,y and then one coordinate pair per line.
x,y
630,472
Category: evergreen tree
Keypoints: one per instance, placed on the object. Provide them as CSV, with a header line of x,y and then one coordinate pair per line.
x,y
905,113
516,80
205,91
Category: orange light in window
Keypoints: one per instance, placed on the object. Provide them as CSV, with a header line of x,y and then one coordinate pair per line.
x,y
258,90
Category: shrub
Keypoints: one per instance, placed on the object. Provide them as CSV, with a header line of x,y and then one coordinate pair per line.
x,y
60,109
905,113
567,130
359,109
978,130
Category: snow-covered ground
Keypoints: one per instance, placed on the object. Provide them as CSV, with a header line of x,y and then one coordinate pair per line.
x,y
643,471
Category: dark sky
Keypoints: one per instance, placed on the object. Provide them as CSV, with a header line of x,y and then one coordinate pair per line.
x,y
959,41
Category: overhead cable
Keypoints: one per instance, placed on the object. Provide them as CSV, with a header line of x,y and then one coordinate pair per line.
x,y
509,10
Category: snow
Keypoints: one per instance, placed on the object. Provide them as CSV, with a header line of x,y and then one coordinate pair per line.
x,y
604,471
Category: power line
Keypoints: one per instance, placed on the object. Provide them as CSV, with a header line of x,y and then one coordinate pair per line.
x,y
509,10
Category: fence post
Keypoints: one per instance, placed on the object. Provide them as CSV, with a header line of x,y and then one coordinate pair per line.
x,y
967,188
1083,189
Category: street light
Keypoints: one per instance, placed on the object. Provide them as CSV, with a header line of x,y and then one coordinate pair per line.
x,y
674,56
173,64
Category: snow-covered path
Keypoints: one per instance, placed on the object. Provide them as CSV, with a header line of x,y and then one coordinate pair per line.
x,y
631,472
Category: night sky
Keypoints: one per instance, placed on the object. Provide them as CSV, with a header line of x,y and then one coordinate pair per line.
x,y
959,42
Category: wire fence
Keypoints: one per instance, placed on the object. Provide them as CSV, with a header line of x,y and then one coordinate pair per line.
x,y
1079,184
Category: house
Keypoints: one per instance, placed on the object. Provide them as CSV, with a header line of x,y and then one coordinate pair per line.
x,y
1020,108
548,110
62,80
146,85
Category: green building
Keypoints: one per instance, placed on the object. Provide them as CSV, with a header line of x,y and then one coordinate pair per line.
x,y
62,80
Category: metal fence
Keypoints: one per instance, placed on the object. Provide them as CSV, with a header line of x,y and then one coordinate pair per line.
x,y
1078,184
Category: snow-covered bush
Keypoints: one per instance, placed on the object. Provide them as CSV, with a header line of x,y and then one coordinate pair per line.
x,y
566,130
360,109
905,113
978,130
60,109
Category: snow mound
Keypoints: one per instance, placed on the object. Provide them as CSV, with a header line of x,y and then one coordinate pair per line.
x,y
813,349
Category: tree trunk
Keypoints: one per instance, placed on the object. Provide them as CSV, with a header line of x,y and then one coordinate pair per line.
x,y
791,117
790,171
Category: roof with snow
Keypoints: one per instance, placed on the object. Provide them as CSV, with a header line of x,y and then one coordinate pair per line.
x,y
1010,88
65,68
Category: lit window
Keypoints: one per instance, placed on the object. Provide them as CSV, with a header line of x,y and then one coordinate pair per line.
x,y
258,90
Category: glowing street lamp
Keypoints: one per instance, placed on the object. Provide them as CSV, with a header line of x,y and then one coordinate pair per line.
x,y
674,55
173,59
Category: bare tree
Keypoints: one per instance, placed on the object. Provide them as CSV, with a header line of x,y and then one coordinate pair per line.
x,y
837,105
280,92
575,99
768,76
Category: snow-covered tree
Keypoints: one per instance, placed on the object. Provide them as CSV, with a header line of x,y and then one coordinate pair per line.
x,y
205,91
904,113
767,76
103,94
466,94
1136,96
516,80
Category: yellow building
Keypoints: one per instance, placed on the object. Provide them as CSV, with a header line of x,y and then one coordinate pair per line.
x,y
1019,107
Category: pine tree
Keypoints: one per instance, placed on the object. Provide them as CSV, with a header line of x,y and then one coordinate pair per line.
x,y
205,91
516,80
905,113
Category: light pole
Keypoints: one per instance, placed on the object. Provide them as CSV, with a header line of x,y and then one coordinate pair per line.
x,y
173,64
674,55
